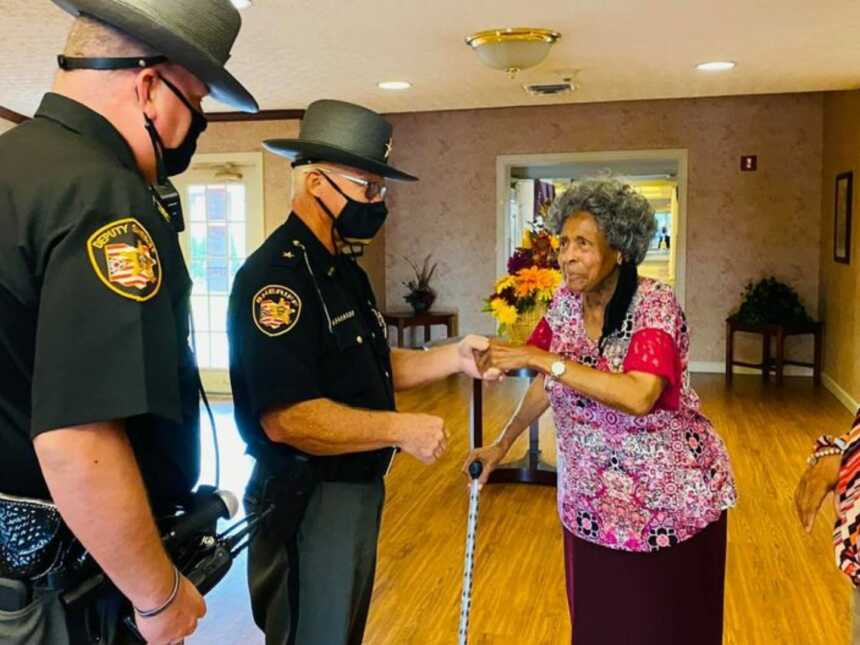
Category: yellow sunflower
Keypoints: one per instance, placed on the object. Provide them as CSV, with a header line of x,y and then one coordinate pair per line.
x,y
503,312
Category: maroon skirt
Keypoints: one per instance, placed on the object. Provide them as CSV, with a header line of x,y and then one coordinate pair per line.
x,y
669,597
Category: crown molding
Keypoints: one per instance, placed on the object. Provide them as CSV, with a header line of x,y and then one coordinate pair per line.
x,y
262,115
11,115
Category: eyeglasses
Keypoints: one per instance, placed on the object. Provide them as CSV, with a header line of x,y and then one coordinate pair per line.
x,y
372,189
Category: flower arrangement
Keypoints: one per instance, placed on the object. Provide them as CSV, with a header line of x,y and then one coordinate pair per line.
x,y
421,295
521,297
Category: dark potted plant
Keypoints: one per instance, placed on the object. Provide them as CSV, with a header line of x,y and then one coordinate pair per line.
x,y
771,302
421,295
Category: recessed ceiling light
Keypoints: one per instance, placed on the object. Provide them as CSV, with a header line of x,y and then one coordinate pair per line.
x,y
716,66
395,85
241,4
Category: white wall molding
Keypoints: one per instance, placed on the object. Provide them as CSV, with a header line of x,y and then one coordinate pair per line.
x,y
836,390
719,367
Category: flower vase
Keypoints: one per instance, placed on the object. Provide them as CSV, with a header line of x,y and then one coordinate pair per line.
x,y
519,332
421,300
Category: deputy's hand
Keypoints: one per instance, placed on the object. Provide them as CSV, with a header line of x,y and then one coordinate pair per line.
x,y
178,621
422,436
505,357
469,351
489,456
814,486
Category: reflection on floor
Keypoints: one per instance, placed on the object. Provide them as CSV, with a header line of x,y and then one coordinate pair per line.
x,y
782,587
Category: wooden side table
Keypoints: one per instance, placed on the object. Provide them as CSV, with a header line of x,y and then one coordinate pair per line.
x,y
402,320
531,469
780,333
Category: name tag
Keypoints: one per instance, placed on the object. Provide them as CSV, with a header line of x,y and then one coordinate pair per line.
x,y
337,320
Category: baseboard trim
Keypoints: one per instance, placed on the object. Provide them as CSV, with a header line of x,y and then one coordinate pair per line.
x,y
836,390
707,367
719,367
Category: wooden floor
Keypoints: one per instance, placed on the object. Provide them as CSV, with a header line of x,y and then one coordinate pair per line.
x,y
782,586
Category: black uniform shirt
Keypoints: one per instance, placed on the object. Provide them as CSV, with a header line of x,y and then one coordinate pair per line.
x,y
94,302
303,325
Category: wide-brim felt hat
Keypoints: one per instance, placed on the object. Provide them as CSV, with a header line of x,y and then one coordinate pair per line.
x,y
196,34
342,133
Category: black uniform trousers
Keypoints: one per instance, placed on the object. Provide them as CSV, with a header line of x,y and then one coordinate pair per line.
x,y
47,621
312,585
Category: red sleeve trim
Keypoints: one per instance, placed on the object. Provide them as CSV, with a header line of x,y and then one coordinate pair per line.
x,y
653,351
541,336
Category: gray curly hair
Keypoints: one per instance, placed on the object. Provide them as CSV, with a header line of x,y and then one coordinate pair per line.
x,y
625,217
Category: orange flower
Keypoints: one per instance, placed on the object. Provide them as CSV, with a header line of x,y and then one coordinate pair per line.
x,y
533,279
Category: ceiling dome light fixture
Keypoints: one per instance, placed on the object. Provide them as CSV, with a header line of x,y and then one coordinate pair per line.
x,y
394,85
716,66
513,49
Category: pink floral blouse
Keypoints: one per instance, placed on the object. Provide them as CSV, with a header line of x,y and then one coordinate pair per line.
x,y
625,482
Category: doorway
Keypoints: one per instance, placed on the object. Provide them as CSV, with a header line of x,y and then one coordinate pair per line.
x,y
222,201
527,184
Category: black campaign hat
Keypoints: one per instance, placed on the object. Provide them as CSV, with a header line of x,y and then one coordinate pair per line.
x,y
342,133
196,34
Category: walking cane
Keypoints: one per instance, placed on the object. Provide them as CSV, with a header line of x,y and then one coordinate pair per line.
x,y
475,469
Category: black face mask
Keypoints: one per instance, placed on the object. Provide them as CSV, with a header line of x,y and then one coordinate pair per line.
x,y
175,161
359,222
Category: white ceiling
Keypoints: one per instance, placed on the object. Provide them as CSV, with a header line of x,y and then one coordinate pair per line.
x,y
291,52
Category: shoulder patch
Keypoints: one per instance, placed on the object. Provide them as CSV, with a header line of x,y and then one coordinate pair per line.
x,y
276,309
125,259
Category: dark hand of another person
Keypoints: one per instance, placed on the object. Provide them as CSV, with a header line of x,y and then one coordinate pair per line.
x,y
489,456
469,351
814,486
506,357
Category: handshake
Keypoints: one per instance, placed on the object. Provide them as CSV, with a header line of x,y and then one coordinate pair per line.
x,y
424,436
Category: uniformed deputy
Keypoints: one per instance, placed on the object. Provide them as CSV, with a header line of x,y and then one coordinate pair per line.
x,y
99,389
314,381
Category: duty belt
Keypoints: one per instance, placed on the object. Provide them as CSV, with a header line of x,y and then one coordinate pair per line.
x,y
355,468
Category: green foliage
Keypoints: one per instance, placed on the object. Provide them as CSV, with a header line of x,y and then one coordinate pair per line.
x,y
770,302
421,282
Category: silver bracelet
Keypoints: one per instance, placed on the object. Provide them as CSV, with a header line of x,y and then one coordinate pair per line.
x,y
151,613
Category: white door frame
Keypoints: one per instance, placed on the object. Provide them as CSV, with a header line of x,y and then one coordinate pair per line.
x,y
504,164
218,381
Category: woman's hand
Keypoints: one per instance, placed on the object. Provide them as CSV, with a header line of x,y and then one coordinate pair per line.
x,y
489,456
506,357
814,486
469,351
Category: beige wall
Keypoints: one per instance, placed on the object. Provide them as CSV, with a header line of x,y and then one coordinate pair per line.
x,y
840,283
247,136
6,125
739,225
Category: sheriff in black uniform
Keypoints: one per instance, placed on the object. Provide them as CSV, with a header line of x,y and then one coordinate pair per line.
x,y
94,301
314,380
99,408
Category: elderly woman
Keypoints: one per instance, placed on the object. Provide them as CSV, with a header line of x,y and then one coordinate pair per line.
x,y
643,479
